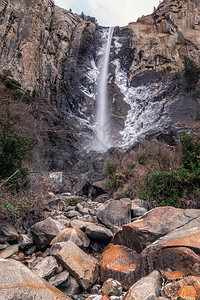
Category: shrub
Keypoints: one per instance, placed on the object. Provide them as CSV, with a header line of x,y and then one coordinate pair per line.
x,y
170,187
13,150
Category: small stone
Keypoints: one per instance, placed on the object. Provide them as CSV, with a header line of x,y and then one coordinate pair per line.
x,y
25,241
112,287
70,287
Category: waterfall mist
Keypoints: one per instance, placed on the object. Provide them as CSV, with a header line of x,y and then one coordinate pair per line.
x,y
102,139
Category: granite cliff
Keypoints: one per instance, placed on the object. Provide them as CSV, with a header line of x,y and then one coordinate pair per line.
x,y
56,54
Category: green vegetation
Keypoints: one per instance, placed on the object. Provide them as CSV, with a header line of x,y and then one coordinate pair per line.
x,y
14,210
72,202
13,150
169,187
116,176
142,158
128,192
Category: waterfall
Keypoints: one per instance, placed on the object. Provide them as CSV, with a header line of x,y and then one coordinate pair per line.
x,y
103,133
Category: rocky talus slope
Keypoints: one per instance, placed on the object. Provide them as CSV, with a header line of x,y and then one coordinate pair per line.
x,y
108,249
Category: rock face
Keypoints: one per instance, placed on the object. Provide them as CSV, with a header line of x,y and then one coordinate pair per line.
x,y
80,265
18,282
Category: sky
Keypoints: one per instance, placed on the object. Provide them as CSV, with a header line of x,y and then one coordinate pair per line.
x,y
111,12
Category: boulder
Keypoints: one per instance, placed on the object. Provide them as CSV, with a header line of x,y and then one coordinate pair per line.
x,y
7,233
178,250
138,211
46,268
80,224
112,287
59,278
82,187
187,288
73,214
115,212
74,235
45,231
154,225
80,265
9,251
140,203
19,283
119,263
98,232
146,288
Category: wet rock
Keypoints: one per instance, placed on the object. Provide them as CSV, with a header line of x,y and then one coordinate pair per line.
x,y
44,231
70,287
46,268
115,212
112,287
18,282
59,278
25,241
98,232
81,266
7,233
74,235
155,224
119,263
8,252
146,288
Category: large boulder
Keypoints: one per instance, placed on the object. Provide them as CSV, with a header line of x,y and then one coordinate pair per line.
x,y
74,235
119,263
146,288
80,265
115,212
45,231
19,283
178,250
154,225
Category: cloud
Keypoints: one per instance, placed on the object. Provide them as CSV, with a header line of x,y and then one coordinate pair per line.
x,y
111,12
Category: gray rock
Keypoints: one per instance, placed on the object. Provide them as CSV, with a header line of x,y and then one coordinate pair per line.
x,y
4,246
8,252
115,212
46,268
44,231
138,211
82,187
81,266
80,224
19,283
30,251
25,241
146,288
74,235
98,232
7,233
140,203
70,287
72,214
59,278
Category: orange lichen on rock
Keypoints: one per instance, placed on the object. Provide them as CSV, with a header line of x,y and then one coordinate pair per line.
x,y
174,275
187,293
118,258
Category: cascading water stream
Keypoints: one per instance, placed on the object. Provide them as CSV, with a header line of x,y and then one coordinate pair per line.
x,y
103,133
